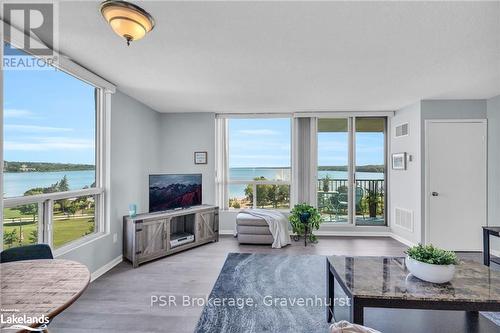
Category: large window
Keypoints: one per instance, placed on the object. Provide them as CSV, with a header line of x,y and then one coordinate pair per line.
x,y
52,180
259,163
333,168
351,170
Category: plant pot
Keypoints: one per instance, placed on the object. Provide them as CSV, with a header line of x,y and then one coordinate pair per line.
x,y
429,272
373,210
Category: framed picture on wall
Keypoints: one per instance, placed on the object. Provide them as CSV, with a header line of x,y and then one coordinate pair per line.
x,y
200,157
399,161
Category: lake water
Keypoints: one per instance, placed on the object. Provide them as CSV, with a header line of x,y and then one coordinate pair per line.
x,y
15,184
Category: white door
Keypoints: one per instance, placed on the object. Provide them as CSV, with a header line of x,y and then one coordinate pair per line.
x,y
456,184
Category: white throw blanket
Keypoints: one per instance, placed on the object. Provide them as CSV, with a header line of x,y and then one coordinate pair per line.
x,y
278,225
346,327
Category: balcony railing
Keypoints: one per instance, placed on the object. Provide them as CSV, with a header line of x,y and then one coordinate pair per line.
x,y
369,200
340,185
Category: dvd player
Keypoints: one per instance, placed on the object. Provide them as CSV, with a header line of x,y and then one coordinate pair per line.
x,y
180,238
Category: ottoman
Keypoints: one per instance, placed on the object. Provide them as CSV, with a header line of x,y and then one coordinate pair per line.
x,y
252,230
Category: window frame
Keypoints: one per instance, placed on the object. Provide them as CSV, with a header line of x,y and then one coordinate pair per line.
x,y
227,182
103,91
351,165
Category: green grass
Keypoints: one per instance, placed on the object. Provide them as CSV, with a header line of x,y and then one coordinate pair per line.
x,y
12,213
65,230
71,229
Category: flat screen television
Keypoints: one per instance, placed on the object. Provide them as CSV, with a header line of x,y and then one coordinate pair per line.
x,y
174,191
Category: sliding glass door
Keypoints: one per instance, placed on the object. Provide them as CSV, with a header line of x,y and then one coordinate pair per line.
x,y
351,170
369,147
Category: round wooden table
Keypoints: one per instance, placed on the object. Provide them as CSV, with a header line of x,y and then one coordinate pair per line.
x,y
40,287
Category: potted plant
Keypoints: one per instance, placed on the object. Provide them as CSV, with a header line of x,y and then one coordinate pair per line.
x,y
430,263
304,219
326,183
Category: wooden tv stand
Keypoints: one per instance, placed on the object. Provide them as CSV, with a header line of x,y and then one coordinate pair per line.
x,y
147,236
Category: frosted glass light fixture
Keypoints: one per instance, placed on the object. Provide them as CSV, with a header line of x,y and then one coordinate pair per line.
x,y
127,20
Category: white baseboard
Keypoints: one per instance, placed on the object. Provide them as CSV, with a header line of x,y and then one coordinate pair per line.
x,y
100,271
353,233
402,240
496,253
335,233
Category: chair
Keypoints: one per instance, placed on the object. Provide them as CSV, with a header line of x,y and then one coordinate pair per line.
x,y
28,252
340,201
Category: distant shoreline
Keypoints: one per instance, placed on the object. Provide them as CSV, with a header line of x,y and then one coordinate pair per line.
x,y
23,167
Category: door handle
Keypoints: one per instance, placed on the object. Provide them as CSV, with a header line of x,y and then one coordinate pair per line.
x,y
435,194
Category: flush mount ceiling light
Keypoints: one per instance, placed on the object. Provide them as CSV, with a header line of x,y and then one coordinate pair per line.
x,y
127,20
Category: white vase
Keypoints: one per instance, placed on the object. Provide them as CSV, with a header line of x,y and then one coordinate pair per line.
x,y
429,272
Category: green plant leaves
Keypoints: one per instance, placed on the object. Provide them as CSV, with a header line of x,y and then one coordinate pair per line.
x,y
314,221
432,255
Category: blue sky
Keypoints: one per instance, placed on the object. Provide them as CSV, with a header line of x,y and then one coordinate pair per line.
x,y
266,143
259,142
49,116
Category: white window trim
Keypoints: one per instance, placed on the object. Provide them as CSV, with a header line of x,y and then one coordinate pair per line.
x,y
104,89
344,114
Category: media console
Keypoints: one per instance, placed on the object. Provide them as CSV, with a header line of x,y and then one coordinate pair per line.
x,y
154,235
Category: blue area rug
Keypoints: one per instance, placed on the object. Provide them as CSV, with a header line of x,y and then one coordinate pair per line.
x,y
493,316
267,293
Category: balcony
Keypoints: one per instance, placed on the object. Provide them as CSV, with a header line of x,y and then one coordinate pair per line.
x,y
370,201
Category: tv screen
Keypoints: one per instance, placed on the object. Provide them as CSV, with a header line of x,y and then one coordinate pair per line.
x,y
174,191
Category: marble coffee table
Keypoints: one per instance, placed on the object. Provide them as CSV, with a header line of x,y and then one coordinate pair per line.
x,y
356,283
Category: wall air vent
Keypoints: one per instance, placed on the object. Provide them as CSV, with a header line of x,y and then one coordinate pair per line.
x,y
401,130
403,218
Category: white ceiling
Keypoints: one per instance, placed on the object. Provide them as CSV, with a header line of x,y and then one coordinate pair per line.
x,y
293,56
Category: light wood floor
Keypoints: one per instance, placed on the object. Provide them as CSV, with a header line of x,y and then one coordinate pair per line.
x,y
119,301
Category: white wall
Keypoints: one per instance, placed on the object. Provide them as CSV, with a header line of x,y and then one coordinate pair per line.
x,y
446,109
405,185
143,142
183,134
493,111
134,146
407,188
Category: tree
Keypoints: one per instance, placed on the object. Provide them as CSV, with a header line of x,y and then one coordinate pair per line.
x,y
277,195
233,202
72,208
91,227
10,237
262,195
30,209
63,184
33,237
282,195
269,195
